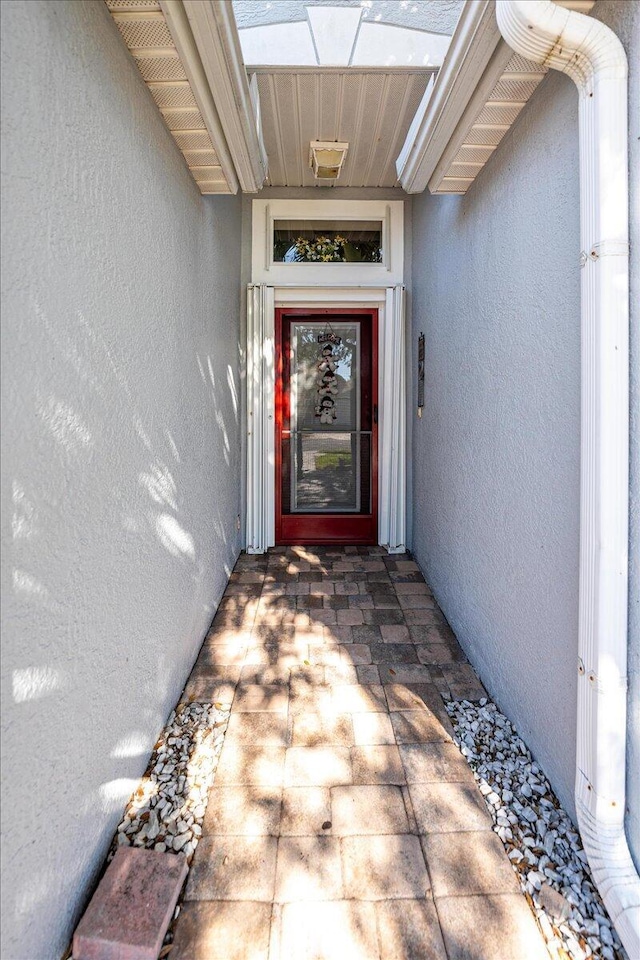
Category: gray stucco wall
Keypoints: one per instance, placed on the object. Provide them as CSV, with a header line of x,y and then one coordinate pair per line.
x,y
496,456
436,16
120,447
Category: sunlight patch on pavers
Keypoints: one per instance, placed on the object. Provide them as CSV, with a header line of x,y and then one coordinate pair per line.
x,y
339,780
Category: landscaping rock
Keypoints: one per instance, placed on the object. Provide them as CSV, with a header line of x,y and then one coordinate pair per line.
x,y
541,841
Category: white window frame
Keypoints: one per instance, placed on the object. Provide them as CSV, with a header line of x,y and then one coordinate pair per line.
x,y
388,273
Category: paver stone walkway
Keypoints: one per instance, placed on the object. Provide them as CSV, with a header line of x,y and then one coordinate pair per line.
x,y
344,824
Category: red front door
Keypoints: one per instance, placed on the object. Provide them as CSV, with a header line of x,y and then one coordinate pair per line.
x,y
326,426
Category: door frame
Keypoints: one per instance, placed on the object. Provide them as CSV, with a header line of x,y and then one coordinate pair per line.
x,y
262,301
365,523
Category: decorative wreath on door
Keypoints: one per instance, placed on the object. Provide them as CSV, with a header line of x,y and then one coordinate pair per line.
x,y
327,382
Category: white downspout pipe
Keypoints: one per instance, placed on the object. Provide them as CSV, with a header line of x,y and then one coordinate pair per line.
x,y
591,54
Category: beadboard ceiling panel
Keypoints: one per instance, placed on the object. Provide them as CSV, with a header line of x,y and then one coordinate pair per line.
x,y
371,110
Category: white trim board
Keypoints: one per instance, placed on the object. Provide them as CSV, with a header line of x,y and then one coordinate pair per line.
x,y
260,520
262,301
215,34
389,273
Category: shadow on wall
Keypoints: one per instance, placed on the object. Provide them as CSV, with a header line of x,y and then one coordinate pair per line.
x,y
109,576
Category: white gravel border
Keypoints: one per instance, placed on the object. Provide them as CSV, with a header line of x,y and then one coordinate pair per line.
x,y
541,841
166,811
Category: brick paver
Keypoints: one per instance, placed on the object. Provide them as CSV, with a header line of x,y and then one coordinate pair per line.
x,y
343,821
132,906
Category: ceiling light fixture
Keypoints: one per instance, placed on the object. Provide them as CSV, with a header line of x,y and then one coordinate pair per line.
x,y
326,158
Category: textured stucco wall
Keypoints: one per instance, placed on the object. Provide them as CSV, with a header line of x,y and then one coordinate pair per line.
x,y
121,451
437,16
496,456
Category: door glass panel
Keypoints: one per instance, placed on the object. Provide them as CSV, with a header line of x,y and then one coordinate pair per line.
x,y
325,472
327,458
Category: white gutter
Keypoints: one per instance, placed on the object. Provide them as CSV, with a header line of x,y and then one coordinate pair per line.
x,y
182,37
591,54
206,38
215,33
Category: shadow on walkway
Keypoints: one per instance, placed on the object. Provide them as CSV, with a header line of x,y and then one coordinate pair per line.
x,y
344,822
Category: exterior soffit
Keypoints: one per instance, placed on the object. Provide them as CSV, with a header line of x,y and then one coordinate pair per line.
x,y
480,90
144,29
189,57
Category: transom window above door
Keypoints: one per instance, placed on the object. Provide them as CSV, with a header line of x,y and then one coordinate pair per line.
x,y
327,242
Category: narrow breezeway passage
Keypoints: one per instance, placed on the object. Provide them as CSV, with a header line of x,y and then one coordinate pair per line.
x,y
344,823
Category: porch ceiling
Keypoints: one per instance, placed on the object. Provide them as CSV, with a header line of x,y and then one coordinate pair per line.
x,y
415,125
371,110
